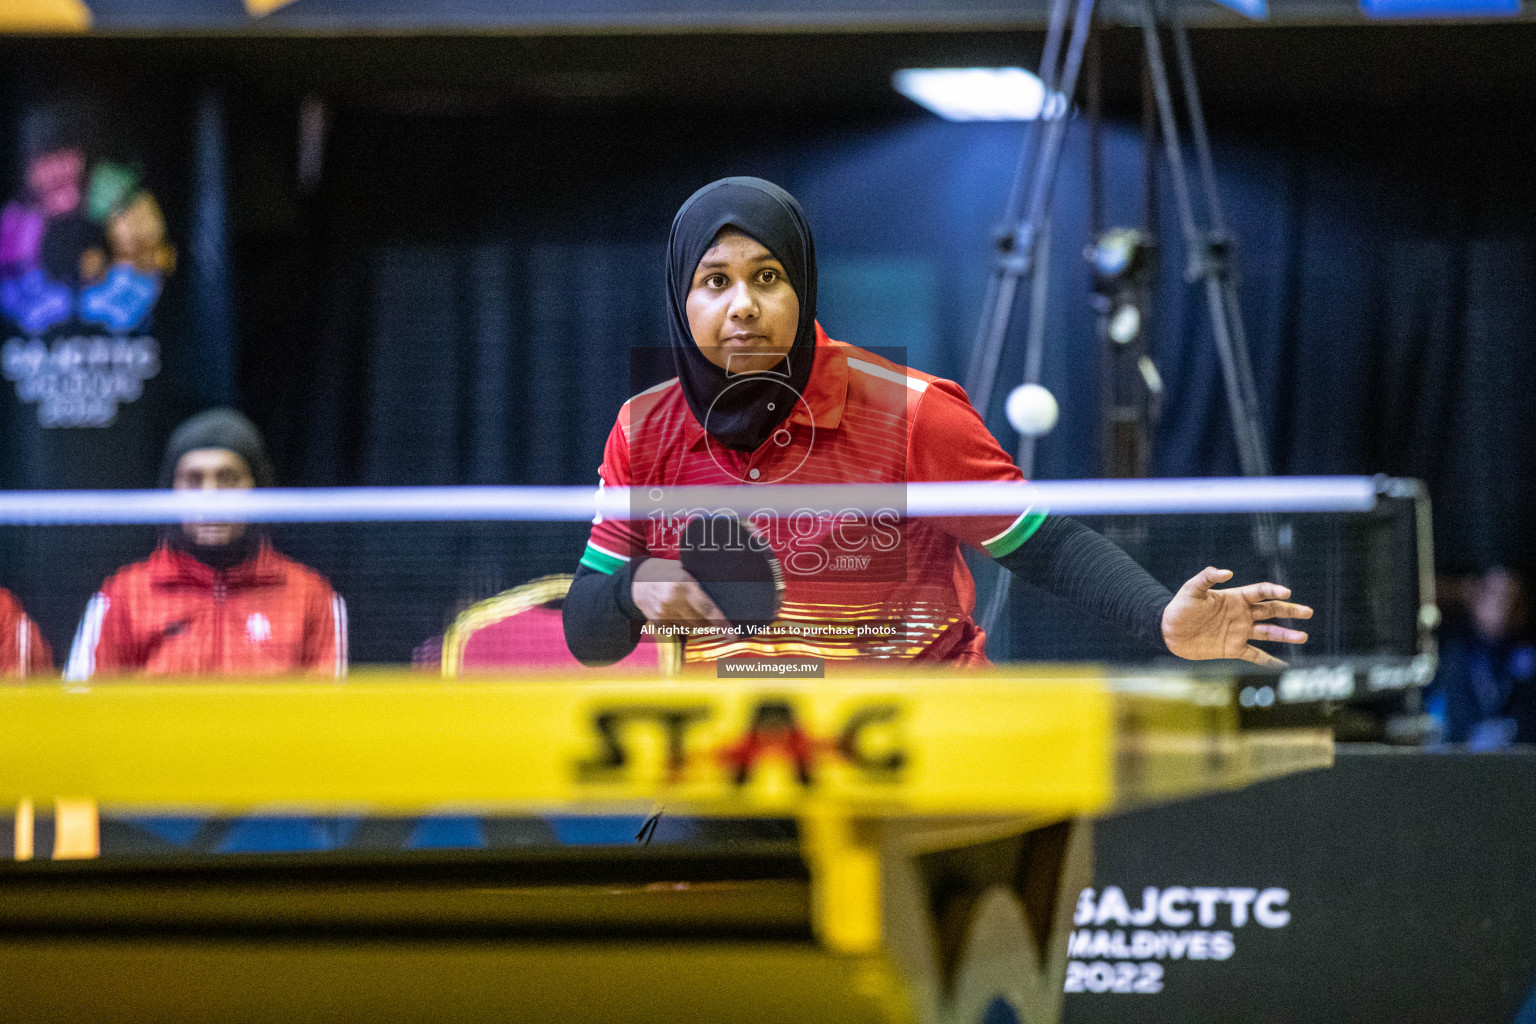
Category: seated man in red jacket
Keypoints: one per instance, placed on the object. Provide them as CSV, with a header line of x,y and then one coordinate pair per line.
x,y
23,651
214,598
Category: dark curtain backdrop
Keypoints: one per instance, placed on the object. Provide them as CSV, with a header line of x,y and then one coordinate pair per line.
x,y
474,285
456,300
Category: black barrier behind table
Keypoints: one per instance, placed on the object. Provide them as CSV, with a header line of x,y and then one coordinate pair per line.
x,y
1399,886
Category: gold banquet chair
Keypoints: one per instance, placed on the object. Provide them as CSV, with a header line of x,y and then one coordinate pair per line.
x,y
521,629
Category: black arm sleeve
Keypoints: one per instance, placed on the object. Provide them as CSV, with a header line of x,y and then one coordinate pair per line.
x,y
1073,562
599,616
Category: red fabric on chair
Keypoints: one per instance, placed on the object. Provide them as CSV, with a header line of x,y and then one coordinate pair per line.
x,y
534,639
522,629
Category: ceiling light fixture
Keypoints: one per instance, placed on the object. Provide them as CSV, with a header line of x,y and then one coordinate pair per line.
x,y
978,94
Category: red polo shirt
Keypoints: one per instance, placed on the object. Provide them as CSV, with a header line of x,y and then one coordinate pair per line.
x,y
861,420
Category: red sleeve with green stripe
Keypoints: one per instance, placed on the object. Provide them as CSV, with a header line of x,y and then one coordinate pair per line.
x,y
949,442
614,542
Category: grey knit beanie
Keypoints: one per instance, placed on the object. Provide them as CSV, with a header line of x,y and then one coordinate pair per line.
x,y
218,428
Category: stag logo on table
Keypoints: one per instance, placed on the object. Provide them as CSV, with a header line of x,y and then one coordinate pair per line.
x,y
83,254
1121,948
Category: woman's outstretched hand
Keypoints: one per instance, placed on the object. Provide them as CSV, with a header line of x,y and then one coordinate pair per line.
x,y
1202,623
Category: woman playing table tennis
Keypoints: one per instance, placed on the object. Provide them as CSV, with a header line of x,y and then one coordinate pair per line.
x,y
762,396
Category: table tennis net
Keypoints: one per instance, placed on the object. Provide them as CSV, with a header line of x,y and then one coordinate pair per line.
x,y
416,568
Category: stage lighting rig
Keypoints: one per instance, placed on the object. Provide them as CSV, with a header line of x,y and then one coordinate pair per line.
x,y
1120,257
1123,261
1024,242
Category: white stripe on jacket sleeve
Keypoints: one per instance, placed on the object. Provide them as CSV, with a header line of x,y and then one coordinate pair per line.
x,y
82,653
339,623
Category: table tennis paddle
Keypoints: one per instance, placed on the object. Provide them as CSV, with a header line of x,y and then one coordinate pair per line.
x,y
735,566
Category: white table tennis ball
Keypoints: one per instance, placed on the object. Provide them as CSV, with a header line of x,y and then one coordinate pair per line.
x,y
1032,410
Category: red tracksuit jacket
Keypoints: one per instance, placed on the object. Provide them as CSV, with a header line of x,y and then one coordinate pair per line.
x,y
23,651
172,615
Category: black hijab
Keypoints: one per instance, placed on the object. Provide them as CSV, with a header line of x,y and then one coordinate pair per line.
x,y
741,410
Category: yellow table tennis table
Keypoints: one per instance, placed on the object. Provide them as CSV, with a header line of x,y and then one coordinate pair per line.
x,y
943,837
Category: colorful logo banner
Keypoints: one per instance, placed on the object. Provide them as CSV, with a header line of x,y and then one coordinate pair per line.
x,y
83,256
